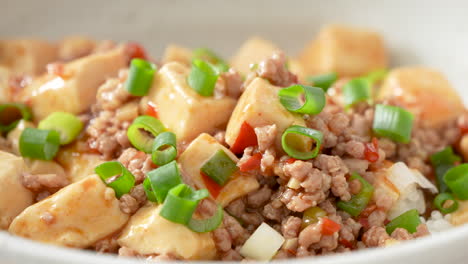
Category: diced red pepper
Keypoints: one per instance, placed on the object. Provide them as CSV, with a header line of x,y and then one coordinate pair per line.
x,y
371,151
291,160
211,185
329,227
252,163
463,126
136,50
246,138
152,110
346,243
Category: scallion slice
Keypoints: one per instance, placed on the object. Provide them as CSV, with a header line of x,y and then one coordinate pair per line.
x,y
142,132
441,200
323,81
442,161
164,148
140,77
163,179
219,167
359,201
181,202
149,190
376,75
408,220
116,176
457,180
11,114
316,135
67,125
302,99
210,56
355,91
203,77
39,144
393,122
209,224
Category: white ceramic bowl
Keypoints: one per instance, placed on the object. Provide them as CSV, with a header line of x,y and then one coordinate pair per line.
x,y
431,33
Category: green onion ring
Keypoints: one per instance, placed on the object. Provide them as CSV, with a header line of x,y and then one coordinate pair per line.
x,y
442,161
209,224
440,200
164,148
142,132
11,114
116,176
358,201
140,77
323,81
316,135
39,144
355,91
67,125
212,57
393,122
149,190
181,202
219,167
164,179
457,180
203,77
314,99
408,220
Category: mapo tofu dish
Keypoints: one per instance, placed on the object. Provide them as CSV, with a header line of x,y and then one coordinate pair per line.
x,y
188,155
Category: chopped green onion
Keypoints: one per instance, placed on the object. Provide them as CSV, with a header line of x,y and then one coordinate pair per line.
x,y
442,161
219,167
355,91
393,122
203,77
11,114
149,190
67,125
408,220
446,203
181,202
142,132
359,201
312,215
209,224
39,144
302,99
116,176
316,135
164,148
323,81
457,180
212,57
164,179
140,77
376,76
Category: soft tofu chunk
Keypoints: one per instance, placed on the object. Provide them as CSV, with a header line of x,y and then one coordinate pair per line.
x,y
75,90
259,106
345,50
76,216
77,165
460,216
149,233
184,111
27,56
45,167
424,92
73,47
254,50
176,53
14,197
198,153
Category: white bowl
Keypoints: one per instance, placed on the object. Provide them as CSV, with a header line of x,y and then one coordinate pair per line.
x,y
431,33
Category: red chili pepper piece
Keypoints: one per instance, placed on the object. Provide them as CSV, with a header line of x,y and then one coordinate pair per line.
x,y
252,163
371,151
211,185
152,110
329,227
246,138
136,50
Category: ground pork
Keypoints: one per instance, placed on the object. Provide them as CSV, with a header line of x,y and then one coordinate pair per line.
x,y
375,236
265,136
38,182
274,70
229,84
335,167
291,226
107,245
137,162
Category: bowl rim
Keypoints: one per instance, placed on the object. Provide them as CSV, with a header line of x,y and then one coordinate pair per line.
x,y
12,246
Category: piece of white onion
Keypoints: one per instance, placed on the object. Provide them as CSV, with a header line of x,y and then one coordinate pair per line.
x,y
262,244
408,183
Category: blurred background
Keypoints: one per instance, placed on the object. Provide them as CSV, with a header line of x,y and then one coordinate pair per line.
x,y
433,33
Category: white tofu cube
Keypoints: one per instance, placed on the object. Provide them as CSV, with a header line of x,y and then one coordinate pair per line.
x,y
176,53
